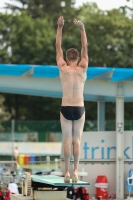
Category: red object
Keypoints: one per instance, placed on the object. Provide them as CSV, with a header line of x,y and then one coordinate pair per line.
x,y
1,194
7,196
7,192
101,187
26,159
82,193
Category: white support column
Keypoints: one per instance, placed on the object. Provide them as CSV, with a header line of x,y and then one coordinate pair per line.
x,y
120,143
101,115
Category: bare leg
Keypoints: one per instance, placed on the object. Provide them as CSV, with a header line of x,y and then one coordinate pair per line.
x,y
66,126
78,126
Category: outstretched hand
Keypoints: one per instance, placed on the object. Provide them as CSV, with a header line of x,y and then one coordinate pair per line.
x,y
60,21
78,23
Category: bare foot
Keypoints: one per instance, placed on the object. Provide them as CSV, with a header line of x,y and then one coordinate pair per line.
x,y
75,176
75,179
67,177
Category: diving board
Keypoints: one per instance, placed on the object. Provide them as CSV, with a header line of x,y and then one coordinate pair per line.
x,y
39,182
45,185
56,181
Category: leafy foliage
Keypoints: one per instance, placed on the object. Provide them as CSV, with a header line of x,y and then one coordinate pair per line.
x,y
44,8
110,37
30,41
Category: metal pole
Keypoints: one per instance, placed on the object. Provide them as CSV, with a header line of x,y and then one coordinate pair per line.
x,y
101,115
12,136
120,142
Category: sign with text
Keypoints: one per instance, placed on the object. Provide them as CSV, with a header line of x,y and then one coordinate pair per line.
x,y
102,145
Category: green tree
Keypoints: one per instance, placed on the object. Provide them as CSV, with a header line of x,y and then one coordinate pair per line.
x,y
47,9
27,107
33,41
110,35
25,40
4,39
4,114
43,8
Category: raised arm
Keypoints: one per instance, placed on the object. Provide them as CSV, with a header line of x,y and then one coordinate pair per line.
x,y
84,50
59,53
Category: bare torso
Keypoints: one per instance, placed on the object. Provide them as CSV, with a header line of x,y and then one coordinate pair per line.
x,y
73,79
15,153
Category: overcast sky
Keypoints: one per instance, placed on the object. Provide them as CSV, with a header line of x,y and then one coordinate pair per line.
x,y
107,4
102,4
